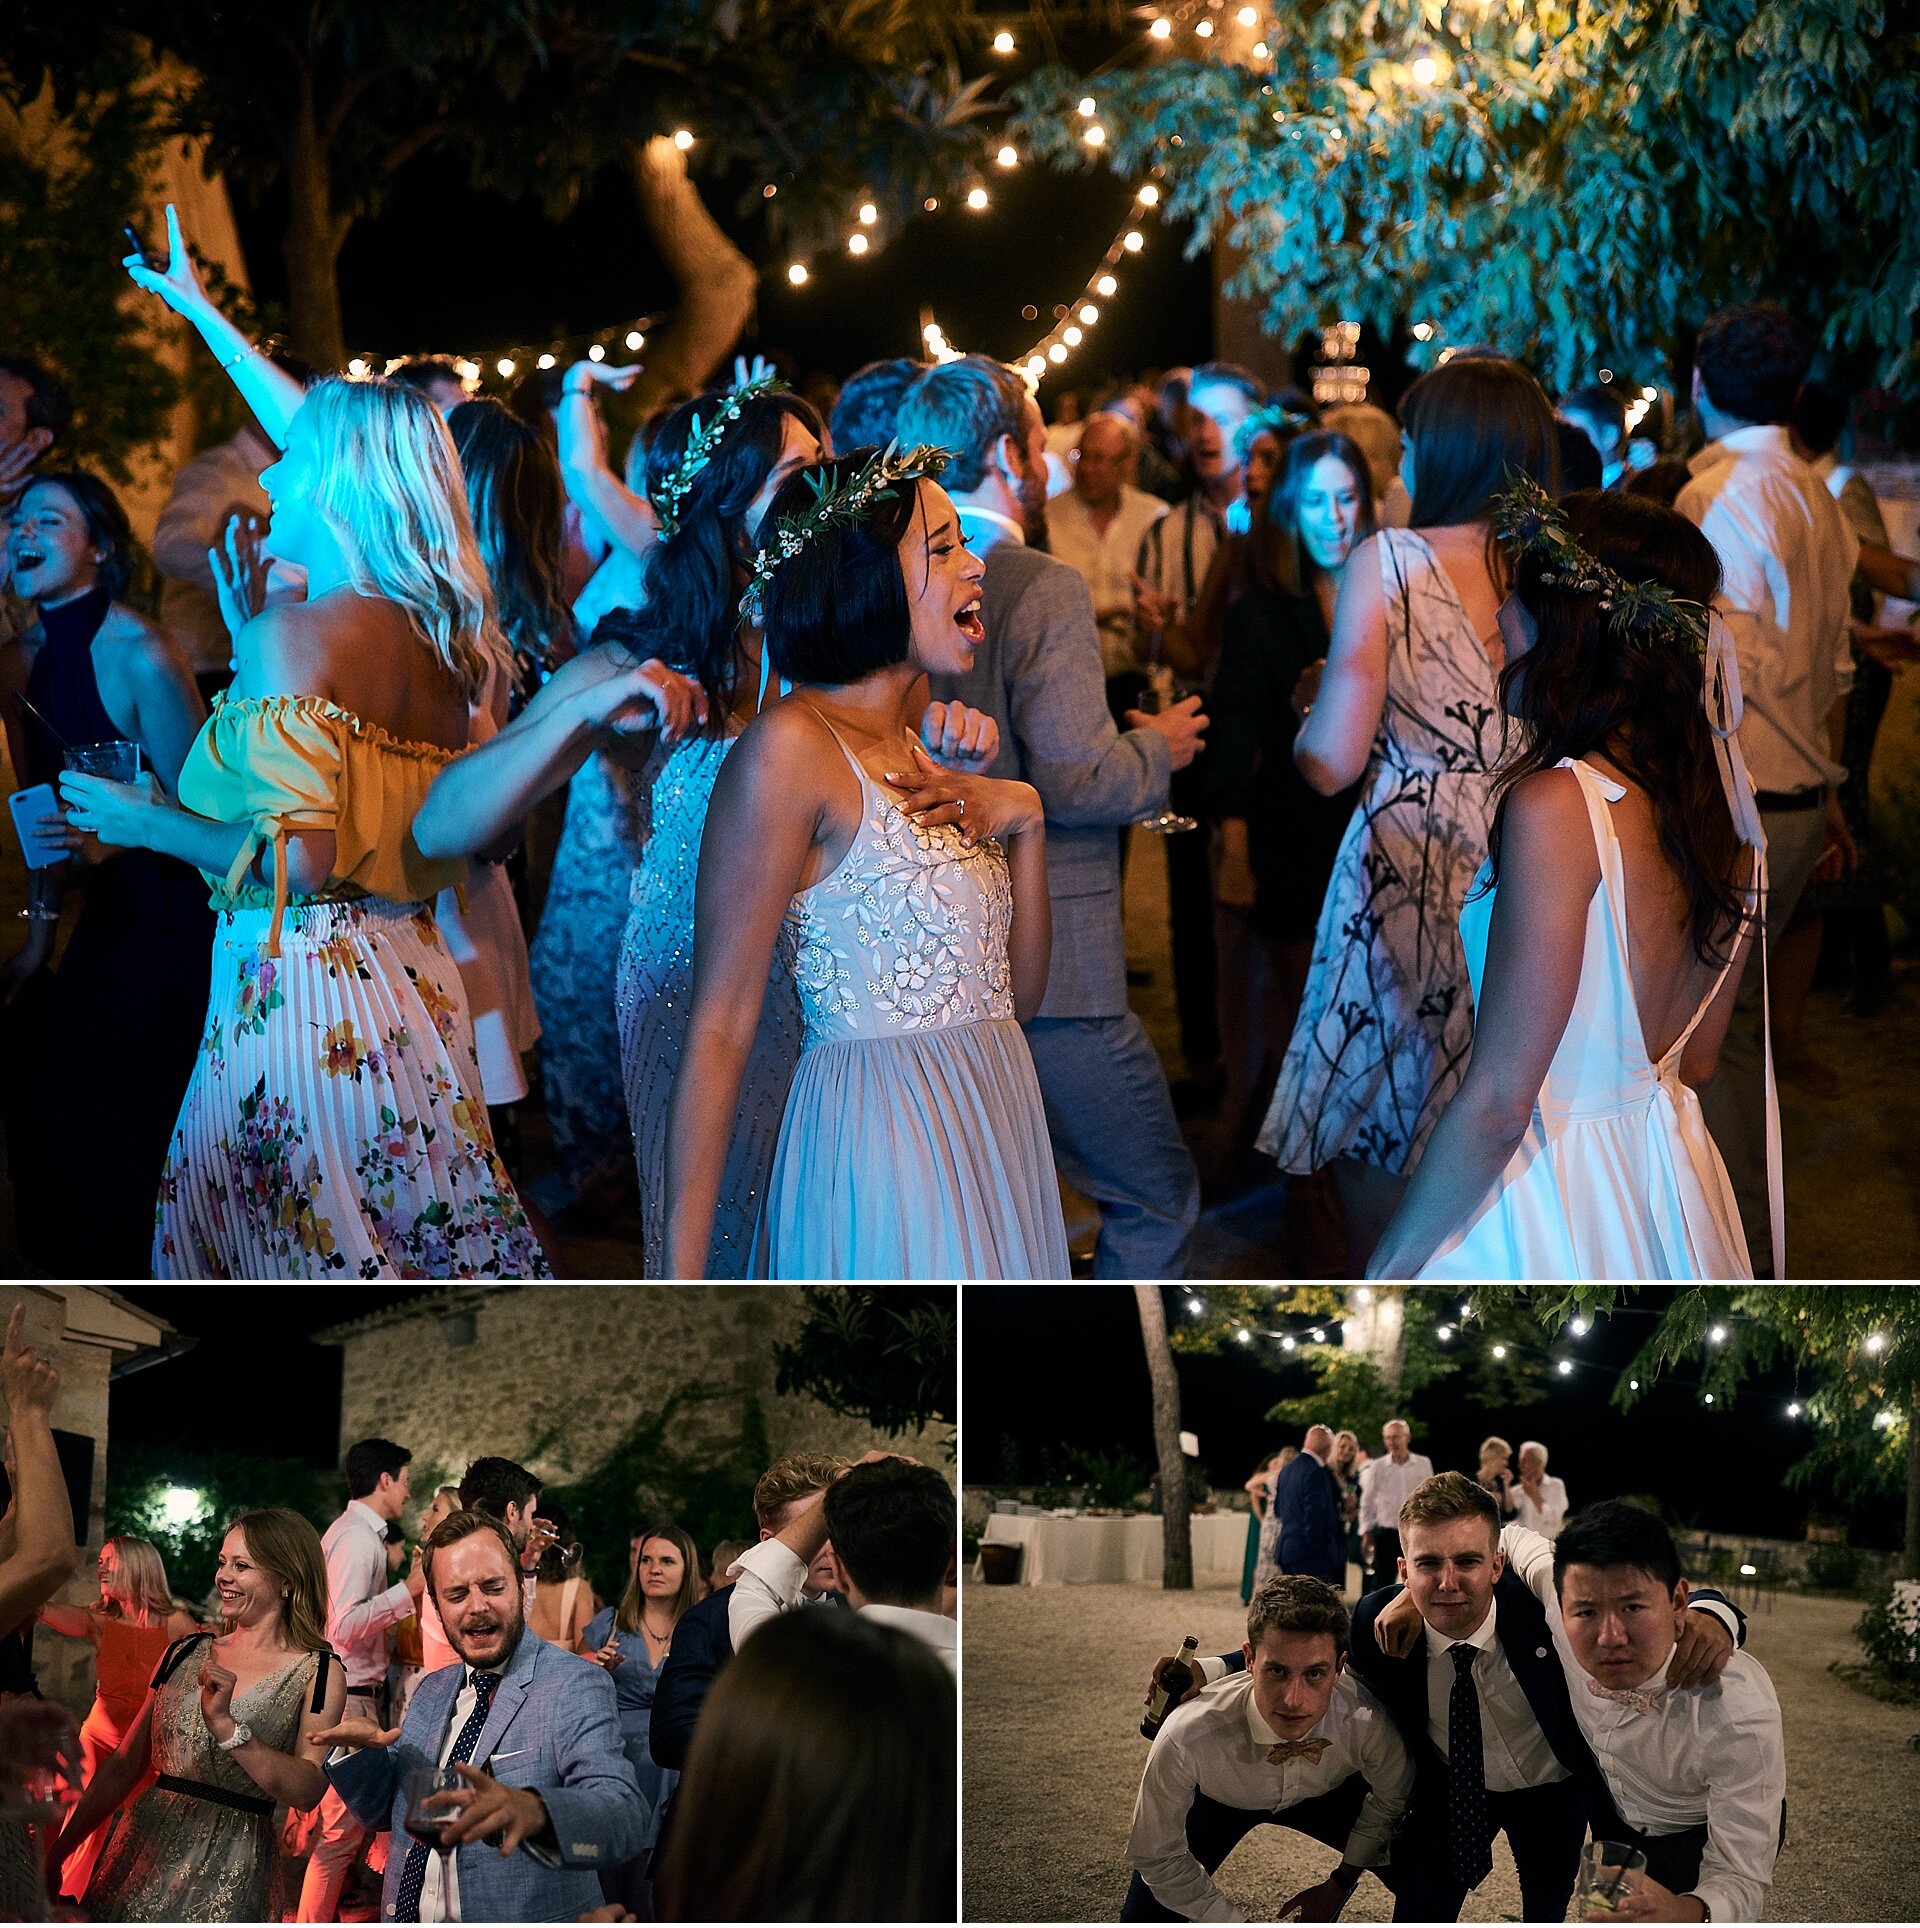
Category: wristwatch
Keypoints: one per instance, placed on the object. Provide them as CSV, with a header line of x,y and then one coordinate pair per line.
x,y
240,1736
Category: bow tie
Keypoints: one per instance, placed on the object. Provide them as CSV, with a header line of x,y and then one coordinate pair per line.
x,y
1287,1750
1639,1699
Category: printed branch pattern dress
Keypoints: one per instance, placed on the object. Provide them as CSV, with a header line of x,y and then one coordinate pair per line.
x,y
335,1124
1386,1023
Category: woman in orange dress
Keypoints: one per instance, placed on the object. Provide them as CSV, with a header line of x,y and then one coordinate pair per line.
x,y
131,1625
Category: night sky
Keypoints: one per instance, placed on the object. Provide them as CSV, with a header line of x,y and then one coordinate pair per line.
x,y
256,1381
1064,1367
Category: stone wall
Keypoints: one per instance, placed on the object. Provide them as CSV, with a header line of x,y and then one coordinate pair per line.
x,y
554,1376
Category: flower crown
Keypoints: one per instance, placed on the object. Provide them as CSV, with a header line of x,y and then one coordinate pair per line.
x,y
1531,523
876,480
702,442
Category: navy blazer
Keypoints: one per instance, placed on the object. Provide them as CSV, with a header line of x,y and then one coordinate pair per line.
x,y
1313,1538
701,1646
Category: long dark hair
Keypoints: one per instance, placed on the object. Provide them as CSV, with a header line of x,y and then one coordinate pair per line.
x,y
519,505
1275,558
1470,422
104,519
820,1784
1585,688
690,614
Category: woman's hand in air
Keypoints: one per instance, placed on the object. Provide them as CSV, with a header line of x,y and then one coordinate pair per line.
x,y
178,285
963,739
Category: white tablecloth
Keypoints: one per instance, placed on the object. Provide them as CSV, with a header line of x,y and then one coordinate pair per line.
x,y
1066,1551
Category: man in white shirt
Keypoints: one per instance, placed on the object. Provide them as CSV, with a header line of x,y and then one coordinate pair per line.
x,y
1385,1485
1539,1500
1296,1741
893,1525
362,1607
1787,557
783,1571
1698,1781
1098,525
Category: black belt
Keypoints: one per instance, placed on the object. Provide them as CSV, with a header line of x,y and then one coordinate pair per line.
x,y
206,1791
1813,799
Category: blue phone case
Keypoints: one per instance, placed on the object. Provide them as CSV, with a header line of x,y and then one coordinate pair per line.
x,y
28,807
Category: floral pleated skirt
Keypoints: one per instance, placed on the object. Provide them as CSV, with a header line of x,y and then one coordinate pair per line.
x,y
335,1125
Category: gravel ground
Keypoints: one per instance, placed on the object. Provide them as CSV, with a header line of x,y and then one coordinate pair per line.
x,y
1054,1677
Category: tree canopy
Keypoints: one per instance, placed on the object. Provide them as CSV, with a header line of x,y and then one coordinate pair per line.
x,y
1578,183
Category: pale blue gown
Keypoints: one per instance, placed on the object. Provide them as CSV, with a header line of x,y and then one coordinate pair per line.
x,y
914,1144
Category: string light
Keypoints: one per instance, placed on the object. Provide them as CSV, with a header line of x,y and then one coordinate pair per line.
x,y
1718,1335
797,272
1057,353
1072,337
977,199
683,140
869,214
1793,1411
1244,1336
1194,1305
1443,1333
357,368
1499,1352
596,353
1008,157
506,366
1426,70
1161,29
1579,1328
1107,286
1003,43
545,361
1149,196
1204,31
1247,17
1876,1341
1261,51
1089,313
1088,107
856,243
1094,135
1287,1344
635,339
1566,1367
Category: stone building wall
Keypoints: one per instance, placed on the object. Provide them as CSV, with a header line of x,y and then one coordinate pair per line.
x,y
554,1376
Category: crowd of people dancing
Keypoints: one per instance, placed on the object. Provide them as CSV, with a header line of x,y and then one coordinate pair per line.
x,y
449,1725
1482,758
1510,1666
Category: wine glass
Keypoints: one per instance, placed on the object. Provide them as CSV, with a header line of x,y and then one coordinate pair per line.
x,y
429,1825
1156,697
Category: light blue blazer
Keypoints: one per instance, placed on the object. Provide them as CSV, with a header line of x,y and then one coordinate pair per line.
x,y
553,1727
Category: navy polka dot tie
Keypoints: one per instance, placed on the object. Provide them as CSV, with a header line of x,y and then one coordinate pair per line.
x,y
413,1876
1470,1837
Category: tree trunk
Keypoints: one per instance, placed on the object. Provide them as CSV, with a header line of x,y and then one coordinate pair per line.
x,y
313,241
1176,1570
717,282
1912,1561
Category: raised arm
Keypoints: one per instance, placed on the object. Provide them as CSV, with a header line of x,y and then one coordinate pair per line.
x,y
766,814
272,394
43,1551
591,483
1336,734
75,1623
480,800
1549,871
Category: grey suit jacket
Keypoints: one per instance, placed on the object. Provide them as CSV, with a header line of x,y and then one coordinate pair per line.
x,y
1039,676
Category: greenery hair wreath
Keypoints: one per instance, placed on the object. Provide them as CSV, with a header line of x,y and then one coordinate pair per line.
x,y
702,442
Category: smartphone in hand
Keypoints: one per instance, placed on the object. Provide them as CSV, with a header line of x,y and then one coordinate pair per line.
x,y
28,807
136,246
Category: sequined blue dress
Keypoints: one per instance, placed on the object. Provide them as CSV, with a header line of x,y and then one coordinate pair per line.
x,y
653,994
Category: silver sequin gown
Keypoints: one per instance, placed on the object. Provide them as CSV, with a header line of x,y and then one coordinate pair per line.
x,y
176,1857
653,994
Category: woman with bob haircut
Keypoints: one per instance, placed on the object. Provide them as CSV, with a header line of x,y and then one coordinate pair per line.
x,y
130,1627
1408,706
228,1726
908,903
335,1121
820,1783
121,1013
1610,926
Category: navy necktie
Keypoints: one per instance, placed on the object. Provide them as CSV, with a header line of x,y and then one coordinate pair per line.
x,y
413,1876
1471,1838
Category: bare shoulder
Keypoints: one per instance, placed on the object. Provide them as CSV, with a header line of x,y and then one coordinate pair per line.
x,y
143,646
1546,829
281,652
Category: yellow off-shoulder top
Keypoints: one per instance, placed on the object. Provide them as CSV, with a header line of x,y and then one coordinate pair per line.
x,y
282,763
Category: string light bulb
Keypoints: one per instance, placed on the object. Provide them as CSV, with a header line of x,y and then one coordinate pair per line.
x,y
1793,1411
1107,286
977,199
596,353
1566,1367
1204,31
931,332
1094,134
1008,157
1247,17
635,339
1072,337
1089,313
506,365
1876,1341
797,273
356,368
545,361
1261,51
1161,29
683,140
1149,196
1036,366
1056,354
856,242
1088,107
1499,1352
1133,241
869,214
1003,42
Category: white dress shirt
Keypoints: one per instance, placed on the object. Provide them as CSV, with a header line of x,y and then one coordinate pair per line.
x,y
1216,1744
982,529
1787,557
1513,1746
361,1604
934,1629
1384,1488
440,1892
1550,1515
1713,1754
1105,558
